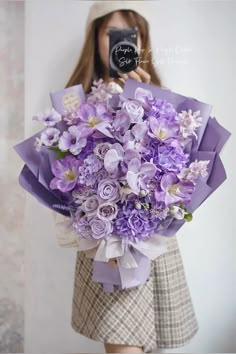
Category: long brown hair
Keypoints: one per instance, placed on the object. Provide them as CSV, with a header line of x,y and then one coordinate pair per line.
x,y
90,66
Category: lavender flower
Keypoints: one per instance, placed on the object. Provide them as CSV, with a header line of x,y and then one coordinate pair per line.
x,y
49,118
49,136
161,129
71,140
66,173
171,190
189,122
94,118
195,169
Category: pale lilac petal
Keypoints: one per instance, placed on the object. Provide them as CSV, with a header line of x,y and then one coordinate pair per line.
x,y
121,121
85,111
119,149
128,137
148,169
102,127
131,154
111,161
64,142
54,182
139,130
58,168
74,130
142,95
100,109
132,180
65,186
154,124
134,165
167,180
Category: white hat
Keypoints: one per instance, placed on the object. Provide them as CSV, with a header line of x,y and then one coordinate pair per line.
x,y
101,8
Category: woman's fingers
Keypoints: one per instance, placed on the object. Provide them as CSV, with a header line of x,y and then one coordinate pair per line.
x,y
145,77
131,75
138,74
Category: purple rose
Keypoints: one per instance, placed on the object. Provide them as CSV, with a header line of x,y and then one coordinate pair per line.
x,y
108,190
101,149
135,110
107,211
100,228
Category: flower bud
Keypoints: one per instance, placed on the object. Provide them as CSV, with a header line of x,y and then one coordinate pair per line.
x,y
143,193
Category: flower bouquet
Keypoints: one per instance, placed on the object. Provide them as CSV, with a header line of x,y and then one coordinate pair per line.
x,y
127,169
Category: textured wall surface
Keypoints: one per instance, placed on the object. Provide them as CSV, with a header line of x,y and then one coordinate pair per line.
x,y
12,196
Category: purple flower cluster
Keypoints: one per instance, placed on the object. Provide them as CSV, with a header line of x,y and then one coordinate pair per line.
x,y
125,166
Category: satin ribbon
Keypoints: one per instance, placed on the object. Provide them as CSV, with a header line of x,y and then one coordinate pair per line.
x,y
112,247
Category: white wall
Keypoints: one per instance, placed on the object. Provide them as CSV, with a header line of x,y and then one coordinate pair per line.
x,y
196,55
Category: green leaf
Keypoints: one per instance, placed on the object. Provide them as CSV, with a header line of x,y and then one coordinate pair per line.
x,y
59,154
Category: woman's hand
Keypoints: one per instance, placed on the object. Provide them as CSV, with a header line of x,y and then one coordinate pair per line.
x,y
138,74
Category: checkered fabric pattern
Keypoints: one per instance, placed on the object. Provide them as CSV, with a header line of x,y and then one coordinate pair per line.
x,y
157,314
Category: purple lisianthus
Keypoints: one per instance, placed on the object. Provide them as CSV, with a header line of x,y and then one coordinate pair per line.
x,y
108,190
107,211
161,129
50,136
66,173
49,118
172,190
100,228
94,118
71,140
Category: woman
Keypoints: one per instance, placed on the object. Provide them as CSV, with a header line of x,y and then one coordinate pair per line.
x,y
159,313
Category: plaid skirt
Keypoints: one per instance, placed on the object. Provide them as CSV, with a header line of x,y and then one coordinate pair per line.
x,y
157,314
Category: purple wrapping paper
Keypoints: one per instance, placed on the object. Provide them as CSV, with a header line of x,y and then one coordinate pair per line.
x,y
71,97
36,174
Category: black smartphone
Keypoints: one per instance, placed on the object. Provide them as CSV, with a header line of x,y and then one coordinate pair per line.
x,y
123,51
